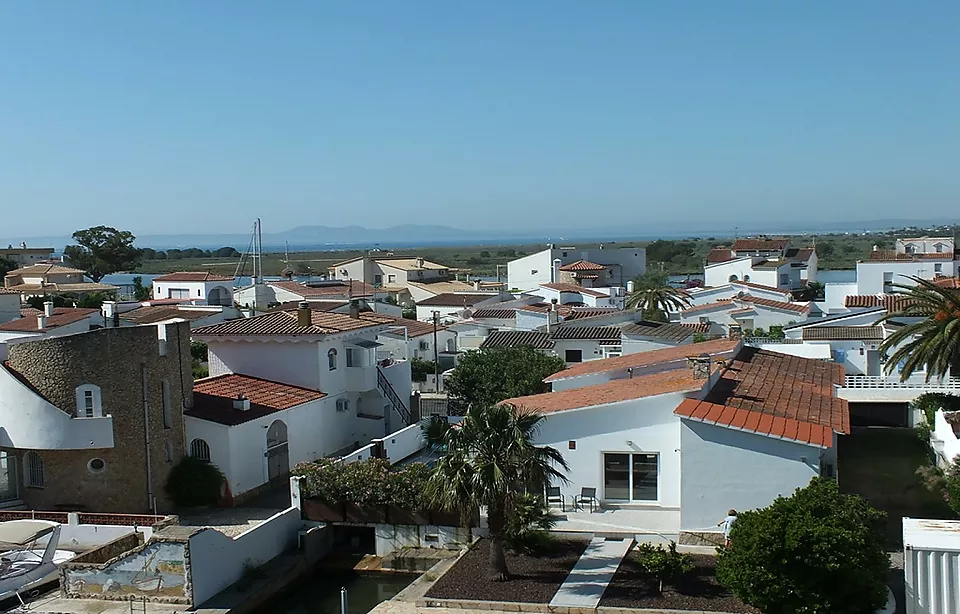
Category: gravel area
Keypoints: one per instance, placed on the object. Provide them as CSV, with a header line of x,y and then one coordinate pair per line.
x,y
698,590
535,579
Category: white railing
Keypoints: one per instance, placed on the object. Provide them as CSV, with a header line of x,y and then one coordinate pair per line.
x,y
768,340
878,381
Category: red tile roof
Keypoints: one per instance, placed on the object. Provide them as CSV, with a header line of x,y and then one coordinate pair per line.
x,y
192,276
328,290
762,302
583,265
647,359
890,302
61,317
720,254
161,313
721,304
777,395
563,287
893,255
449,299
947,282
6,291
285,323
756,245
213,398
750,284
654,384
415,328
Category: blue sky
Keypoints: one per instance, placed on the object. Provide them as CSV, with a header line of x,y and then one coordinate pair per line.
x,y
182,116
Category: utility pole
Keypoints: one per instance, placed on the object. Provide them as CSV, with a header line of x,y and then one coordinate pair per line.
x,y
436,351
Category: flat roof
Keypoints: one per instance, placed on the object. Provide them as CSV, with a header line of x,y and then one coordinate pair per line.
x,y
924,534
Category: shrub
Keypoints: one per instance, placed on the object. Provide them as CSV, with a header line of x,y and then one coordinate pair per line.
x,y
420,369
947,483
699,337
528,528
366,483
930,402
193,482
406,487
664,564
817,552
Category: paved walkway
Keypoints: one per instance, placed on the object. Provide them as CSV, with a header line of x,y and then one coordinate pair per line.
x,y
584,587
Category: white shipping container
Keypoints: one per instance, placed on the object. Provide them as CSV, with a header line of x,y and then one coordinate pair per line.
x,y
931,566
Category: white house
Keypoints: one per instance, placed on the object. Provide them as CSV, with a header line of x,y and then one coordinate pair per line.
x,y
747,312
567,293
50,322
197,315
449,305
885,269
9,305
406,339
201,288
675,447
50,279
532,316
25,256
354,397
274,293
702,296
768,262
532,271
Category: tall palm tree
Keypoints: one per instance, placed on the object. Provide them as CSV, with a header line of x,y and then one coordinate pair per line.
x,y
933,341
491,461
656,302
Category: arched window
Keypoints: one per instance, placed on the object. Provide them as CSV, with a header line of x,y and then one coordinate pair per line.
x,y
332,360
167,412
88,401
200,449
733,278
746,278
276,434
33,470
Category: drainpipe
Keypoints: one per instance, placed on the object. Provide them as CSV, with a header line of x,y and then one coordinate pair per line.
x,y
146,437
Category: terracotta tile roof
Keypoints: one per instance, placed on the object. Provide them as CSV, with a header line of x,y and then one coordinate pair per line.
x,y
54,288
586,276
578,313
586,332
39,270
670,331
721,304
415,328
801,254
781,305
563,287
843,333
583,265
947,282
647,359
720,254
890,302
517,338
756,245
213,398
344,288
750,284
61,317
314,304
192,276
285,323
161,313
498,314
893,255
777,395
443,287
762,302
654,384
8,291
448,299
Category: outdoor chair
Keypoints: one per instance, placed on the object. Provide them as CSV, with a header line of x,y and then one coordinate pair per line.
x,y
588,496
555,496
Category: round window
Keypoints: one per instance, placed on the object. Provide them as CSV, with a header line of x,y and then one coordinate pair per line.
x,y
96,465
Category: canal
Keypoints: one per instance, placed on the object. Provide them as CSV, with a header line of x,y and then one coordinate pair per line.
x,y
320,593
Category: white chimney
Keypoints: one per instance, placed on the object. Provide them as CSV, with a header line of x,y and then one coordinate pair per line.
x,y
630,286
109,307
556,270
48,308
476,284
241,403
41,322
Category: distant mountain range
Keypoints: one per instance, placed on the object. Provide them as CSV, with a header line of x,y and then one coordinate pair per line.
x,y
413,235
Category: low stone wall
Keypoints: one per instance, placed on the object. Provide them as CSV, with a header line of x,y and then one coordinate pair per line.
x,y
110,550
701,538
120,520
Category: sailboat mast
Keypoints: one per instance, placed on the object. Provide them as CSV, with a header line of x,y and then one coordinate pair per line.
x,y
259,251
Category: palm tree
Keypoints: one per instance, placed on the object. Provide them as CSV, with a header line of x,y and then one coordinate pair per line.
x,y
933,341
656,302
491,461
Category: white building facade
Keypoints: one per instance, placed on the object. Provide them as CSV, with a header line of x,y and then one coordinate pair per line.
x,y
530,272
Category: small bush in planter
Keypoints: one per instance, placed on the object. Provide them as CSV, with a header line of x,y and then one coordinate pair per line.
x,y
528,528
194,483
664,564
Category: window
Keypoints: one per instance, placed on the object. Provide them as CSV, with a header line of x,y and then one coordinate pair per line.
x,y
343,405
353,358
939,248
938,268
178,293
200,449
784,279
573,356
33,466
733,278
88,401
168,449
332,360
378,280
391,279
746,278
630,477
424,345
167,412
533,271
910,248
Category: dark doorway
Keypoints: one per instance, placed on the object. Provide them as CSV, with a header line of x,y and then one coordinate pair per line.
x,y
879,414
573,356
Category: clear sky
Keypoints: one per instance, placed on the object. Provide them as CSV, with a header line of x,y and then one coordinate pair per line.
x,y
186,116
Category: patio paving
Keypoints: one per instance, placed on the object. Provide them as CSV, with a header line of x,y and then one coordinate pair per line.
x,y
588,579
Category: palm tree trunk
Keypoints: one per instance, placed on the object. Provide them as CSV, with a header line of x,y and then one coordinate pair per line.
x,y
498,559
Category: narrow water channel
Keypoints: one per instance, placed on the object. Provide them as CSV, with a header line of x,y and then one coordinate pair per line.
x,y
320,593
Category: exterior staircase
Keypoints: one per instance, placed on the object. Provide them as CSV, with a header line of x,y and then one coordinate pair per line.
x,y
391,395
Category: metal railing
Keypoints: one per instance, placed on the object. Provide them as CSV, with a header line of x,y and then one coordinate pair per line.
x,y
398,405
769,340
879,381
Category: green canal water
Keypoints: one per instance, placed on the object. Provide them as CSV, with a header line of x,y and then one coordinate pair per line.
x,y
320,593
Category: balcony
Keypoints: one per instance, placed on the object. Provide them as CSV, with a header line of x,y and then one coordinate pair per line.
x,y
361,379
880,389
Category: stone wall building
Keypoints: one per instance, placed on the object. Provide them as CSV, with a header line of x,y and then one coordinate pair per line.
x,y
136,381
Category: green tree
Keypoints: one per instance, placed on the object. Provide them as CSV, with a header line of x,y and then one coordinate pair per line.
x,y
932,341
824,249
140,291
7,265
813,291
655,297
303,268
491,461
485,378
945,482
818,552
193,482
420,369
102,250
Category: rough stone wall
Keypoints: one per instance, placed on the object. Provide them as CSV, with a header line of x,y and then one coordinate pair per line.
x,y
112,359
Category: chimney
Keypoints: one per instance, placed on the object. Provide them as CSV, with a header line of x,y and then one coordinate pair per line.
x,y
735,331
419,263
48,308
241,403
556,270
303,314
355,310
476,284
700,365
41,322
